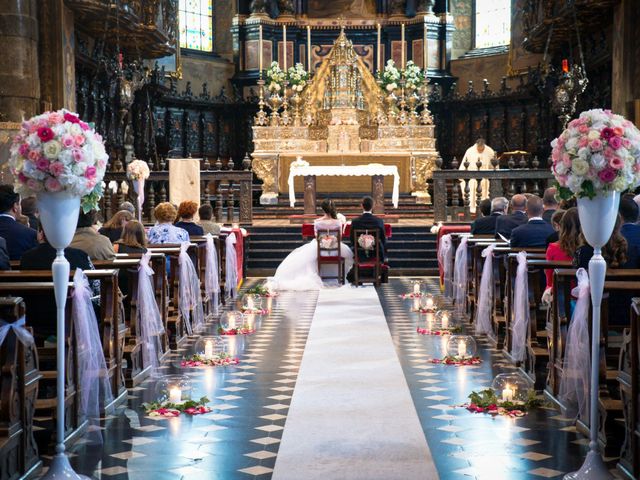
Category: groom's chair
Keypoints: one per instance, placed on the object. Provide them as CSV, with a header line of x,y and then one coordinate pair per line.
x,y
367,264
329,253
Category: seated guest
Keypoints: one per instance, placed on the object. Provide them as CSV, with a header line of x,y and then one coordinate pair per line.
x,y
368,221
506,223
534,233
569,240
112,229
186,212
487,225
485,207
205,212
164,230
41,308
30,210
556,219
629,211
18,237
128,206
549,203
87,238
4,255
134,238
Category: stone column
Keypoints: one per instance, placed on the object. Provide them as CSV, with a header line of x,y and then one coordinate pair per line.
x,y
625,81
19,75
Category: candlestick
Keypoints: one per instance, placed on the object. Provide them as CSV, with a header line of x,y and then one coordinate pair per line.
x,y
425,58
309,49
378,52
402,44
507,394
208,350
284,44
175,395
260,49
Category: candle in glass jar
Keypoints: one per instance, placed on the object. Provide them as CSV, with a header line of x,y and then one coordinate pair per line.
x,y
208,350
416,288
175,395
462,348
507,394
445,320
429,303
250,303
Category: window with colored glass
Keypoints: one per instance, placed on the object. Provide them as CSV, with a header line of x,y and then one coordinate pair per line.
x,y
196,25
492,23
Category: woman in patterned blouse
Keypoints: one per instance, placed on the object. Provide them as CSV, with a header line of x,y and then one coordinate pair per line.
x,y
164,231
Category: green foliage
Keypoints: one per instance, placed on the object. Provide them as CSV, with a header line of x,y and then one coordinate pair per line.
x,y
181,407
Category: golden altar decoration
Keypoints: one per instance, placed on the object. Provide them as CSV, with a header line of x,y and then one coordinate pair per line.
x,y
342,116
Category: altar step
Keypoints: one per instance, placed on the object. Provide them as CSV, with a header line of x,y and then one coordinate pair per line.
x,y
412,250
347,204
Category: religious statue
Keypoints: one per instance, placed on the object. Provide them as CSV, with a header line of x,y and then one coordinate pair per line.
x,y
286,7
335,8
397,7
425,6
259,7
478,152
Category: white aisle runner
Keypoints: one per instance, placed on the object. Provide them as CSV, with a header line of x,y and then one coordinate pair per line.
x,y
351,415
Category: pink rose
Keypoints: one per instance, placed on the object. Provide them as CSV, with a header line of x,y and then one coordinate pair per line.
x,y
33,184
627,124
573,123
68,141
56,169
619,131
69,117
561,142
91,183
22,177
84,126
33,128
56,118
52,184
42,164
616,163
78,155
583,129
24,149
79,140
615,142
555,155
90,172
583,142
101,164
626,143
98,137
607,175
596,145
608,153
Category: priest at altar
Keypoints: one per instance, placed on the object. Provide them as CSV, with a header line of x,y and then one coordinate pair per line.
x,y
479,150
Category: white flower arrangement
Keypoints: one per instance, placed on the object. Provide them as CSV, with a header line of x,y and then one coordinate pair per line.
x,y
297,77
413,76
275,78
138,170
598,152
390,76
299,162
56,152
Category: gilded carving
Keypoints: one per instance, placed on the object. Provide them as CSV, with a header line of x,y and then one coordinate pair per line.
x,y
266,169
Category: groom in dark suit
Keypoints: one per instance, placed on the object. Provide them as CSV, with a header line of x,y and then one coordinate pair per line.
x,y
368,221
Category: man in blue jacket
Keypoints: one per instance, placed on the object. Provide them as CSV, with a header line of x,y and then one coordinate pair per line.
x,y
18,237
534,233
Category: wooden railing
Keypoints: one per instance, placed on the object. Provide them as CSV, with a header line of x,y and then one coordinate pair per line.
x,y
228,191
451,204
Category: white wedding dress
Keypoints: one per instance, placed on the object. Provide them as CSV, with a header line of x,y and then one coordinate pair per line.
x,y
299,270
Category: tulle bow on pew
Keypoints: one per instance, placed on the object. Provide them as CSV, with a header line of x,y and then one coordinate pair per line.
x,y
574,384
190,296
520,310
485,294
93,381
231,266
460,270
212,275
149,319
22,334
445,253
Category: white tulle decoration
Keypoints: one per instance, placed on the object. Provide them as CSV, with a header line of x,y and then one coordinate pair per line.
x,y
231,266
150,326
460,271
485,296
520,310
212,275
575,381
190,296
445,254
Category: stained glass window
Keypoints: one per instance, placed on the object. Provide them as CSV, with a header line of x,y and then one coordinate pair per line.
x,y
196,25
492,23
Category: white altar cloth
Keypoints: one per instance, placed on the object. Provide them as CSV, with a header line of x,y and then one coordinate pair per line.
x,y
345,171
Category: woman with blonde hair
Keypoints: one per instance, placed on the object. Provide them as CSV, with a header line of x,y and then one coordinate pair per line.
x,y
186,212
112,229
164,230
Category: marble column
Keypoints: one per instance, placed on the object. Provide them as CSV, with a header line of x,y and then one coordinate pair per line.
x,y
19,74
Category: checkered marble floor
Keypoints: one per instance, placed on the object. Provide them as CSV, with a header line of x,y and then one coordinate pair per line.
x,y
240,438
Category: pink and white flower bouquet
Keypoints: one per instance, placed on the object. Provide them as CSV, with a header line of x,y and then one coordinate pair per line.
x,y
598,152
366,241
138,170
56,152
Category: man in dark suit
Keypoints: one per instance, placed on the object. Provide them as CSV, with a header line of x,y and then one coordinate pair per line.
x,y
630,230
19,238
4,255
506,223
368,221
487,225
549,203
534,233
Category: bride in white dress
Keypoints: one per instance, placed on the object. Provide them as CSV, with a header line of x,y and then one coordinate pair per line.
x,y
299,270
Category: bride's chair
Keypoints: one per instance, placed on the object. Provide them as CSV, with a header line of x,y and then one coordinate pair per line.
x,y
329,242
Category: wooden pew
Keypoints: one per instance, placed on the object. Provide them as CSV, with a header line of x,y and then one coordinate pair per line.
x,y
18,391
629,379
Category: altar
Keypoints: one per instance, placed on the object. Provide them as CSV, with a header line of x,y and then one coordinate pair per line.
x,y
342,117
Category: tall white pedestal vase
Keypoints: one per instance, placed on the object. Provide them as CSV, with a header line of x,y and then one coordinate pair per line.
x,y
138,172
59,216
138,187
597,219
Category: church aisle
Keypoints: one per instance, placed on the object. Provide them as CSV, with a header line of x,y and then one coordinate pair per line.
x,y
351,416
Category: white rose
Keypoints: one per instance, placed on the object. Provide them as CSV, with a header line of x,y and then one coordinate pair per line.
x,y
598,161
584,152
75,129
593,134
560,168
571,143
390,87
579,166
620,184
33,140
52,149
575,183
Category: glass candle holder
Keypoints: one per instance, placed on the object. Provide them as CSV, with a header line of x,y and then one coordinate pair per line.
x,y
428,303
232,319
252,302
461,346
174,389
444,320
210,347
416,287
511,387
